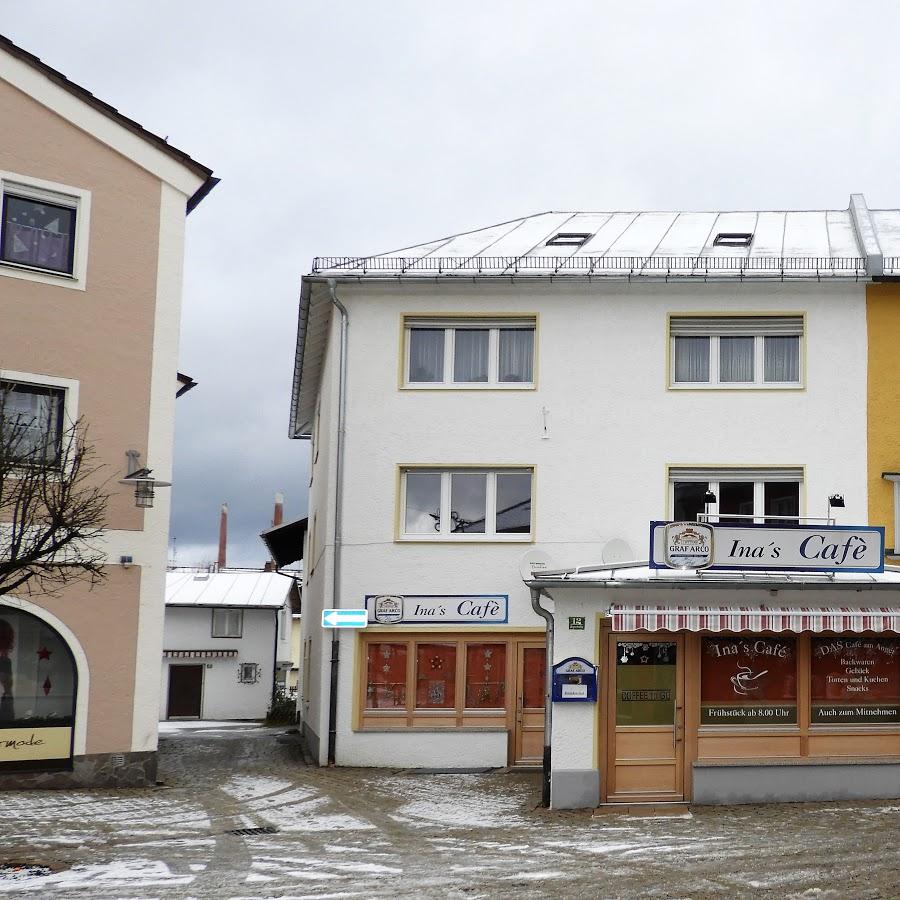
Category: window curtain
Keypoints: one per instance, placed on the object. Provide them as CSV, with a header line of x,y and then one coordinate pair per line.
x,y
736,358
516,354
471,355
426,354
691,359
33,417
782,359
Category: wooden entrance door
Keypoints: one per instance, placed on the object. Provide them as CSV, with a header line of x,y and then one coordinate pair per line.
x,y
530,678
185,692
646,718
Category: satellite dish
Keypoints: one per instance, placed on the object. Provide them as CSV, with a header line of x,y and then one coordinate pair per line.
x,y
616,551
533,563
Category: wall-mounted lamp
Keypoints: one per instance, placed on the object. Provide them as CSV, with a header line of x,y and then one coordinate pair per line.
x,y
708,497
143,481
835,501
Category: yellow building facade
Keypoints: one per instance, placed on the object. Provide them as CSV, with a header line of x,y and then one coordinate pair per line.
x,y
883,405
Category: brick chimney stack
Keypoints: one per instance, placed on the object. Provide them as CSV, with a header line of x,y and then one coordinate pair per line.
x,y
223,535
278,515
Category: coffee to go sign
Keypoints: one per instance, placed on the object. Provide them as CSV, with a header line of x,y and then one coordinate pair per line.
x,y
826,548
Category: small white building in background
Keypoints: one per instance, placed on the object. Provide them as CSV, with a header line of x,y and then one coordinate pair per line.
x,y
227,642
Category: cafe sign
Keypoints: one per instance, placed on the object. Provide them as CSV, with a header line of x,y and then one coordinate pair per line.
x,y
438,609
805,548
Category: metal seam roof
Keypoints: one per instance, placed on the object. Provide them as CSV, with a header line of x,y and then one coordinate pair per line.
x,y
791,244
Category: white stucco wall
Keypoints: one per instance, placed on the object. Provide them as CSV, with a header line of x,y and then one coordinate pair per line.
x,y
224,697
613,428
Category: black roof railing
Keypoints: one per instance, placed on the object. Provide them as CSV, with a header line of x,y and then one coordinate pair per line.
x,y
578,264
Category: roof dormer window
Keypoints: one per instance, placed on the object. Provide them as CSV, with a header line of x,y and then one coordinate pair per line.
x,y
568,239
733,239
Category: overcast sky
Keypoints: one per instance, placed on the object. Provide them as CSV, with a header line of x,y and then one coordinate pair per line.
x,y
357,127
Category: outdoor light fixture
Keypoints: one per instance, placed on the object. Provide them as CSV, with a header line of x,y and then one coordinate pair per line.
x,y
708,497
143,481
836,500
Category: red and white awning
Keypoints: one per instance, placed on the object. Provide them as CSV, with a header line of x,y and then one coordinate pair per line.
x,y
627,617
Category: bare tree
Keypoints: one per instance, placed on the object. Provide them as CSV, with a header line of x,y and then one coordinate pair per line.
x,y
52,503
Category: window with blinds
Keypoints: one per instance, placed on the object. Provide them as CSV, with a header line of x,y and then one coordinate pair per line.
x,y
736,351
469,353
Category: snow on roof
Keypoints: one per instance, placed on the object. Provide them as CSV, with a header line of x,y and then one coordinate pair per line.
x,y
783,243
642,575
262,590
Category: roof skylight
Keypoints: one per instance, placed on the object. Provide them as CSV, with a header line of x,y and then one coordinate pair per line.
x,y
568,239
733,239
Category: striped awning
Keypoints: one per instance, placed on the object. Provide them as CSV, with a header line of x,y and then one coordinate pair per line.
x,y
627,617
199,654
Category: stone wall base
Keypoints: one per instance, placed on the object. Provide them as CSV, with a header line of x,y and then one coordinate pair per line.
x,y
95,770
814,780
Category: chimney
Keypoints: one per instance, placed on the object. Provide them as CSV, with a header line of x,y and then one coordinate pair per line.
x,y
278,515
223,535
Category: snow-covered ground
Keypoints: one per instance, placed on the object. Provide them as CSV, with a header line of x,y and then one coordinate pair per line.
x,y
367,833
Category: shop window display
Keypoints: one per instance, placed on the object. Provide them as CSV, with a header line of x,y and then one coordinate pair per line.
x,y
748,680
855,680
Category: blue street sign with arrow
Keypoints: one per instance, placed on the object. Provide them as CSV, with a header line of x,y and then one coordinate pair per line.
x,y
345,618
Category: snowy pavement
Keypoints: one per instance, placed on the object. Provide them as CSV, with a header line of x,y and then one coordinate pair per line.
x,y
368,833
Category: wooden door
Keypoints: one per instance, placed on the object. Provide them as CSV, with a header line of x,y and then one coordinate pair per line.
x,y
646,718
185,692
531,661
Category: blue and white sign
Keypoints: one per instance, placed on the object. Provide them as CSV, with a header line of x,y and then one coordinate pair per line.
x,y
438,609
344,618
773,548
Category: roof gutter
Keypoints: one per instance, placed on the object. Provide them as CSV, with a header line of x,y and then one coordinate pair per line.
x,y
305,303
201,192
718,585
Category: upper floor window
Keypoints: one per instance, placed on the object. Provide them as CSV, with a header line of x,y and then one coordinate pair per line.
x,y
227,623
31,418
736,351
464,504
43,231
736,496
38,233
469,353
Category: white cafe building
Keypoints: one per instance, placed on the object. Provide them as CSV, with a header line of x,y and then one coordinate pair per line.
x,y
495,419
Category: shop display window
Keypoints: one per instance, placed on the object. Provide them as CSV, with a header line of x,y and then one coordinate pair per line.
x,y
646,682
37,674
386,676
485,676
418,680
436,676
855,680
748,680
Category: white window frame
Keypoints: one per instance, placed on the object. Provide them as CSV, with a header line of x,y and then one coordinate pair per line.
x,y
761,476
449,325
894,479
61,195
445,534
228,611
755,328
69,386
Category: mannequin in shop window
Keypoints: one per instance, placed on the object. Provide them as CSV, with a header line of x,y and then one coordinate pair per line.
x,y
7,639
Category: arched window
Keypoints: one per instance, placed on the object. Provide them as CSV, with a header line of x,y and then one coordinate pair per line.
x,y
38,682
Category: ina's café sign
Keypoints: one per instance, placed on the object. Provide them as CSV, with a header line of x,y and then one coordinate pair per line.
x,y
819,548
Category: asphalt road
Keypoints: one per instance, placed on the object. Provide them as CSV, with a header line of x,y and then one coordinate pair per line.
x,y
366,833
